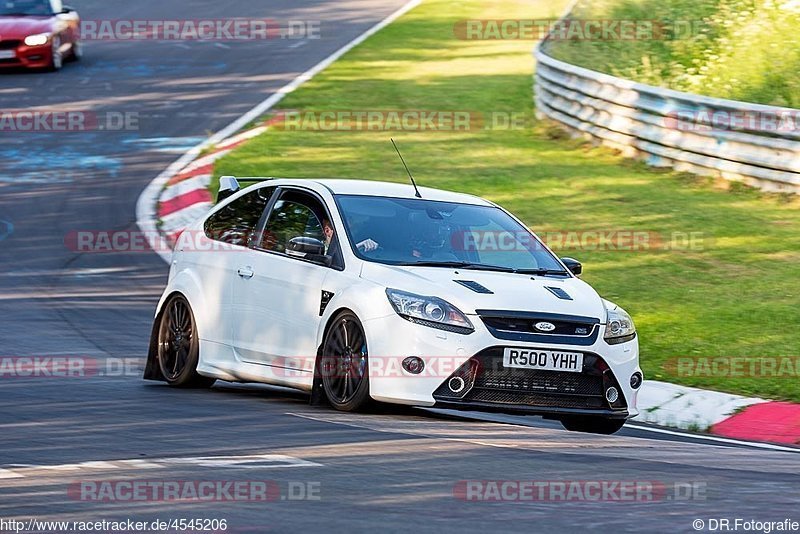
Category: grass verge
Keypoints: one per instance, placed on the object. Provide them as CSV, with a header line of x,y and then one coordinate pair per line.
x,y
733,292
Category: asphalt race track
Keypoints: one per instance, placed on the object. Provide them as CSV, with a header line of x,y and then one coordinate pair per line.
x,y
394,470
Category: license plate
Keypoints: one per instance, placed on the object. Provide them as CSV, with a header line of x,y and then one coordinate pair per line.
x,y
547,360
8,54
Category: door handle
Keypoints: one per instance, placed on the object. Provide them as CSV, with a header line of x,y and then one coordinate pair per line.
x,y
245,272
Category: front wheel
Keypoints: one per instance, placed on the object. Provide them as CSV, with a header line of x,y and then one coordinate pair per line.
x,y
77,51
344,364
56,57
179,346
594,425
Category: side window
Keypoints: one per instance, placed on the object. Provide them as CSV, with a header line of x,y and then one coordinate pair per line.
x,y
291,217
236,222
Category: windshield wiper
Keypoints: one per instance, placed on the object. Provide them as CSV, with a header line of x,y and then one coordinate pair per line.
x,y
483,267
459,265
434,264
541,272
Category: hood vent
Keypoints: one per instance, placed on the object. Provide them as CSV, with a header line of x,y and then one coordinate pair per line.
x,y
474,286
560,293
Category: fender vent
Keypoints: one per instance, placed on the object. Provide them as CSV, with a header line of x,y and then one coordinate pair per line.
x,y
560,293
326,298
475,286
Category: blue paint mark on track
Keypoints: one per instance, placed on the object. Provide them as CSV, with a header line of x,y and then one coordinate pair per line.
x,y
64,165
170,145
6,229
131,69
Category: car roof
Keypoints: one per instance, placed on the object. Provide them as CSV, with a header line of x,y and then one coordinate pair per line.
x,y
388,189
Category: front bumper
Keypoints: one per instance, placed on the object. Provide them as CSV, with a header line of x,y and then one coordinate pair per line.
x,y
33,57
494,388
484,382
521,409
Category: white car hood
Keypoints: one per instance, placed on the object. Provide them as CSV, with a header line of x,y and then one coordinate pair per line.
x,y
510,292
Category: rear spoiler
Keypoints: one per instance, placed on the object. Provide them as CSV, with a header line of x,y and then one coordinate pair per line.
x,y
229,185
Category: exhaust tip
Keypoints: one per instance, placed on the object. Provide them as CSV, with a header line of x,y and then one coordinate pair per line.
x,y
456,384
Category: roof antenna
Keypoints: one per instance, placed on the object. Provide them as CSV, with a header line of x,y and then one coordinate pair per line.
x,y
416,190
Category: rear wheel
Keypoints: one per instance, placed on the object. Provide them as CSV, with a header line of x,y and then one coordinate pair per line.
x,y
179,346
344,364
594,425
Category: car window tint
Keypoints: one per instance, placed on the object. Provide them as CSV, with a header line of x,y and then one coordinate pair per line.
x,y
414,230
237,221
494,244
290,219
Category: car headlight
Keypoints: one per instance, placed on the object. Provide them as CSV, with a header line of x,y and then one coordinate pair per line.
x,y
619,325
37,40
429,311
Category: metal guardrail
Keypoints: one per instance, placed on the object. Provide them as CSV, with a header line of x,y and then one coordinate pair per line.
x,y
698,134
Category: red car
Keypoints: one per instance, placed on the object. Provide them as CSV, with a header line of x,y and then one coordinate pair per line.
x,y
38,34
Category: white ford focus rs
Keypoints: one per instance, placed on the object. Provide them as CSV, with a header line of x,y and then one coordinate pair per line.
x,y
361,291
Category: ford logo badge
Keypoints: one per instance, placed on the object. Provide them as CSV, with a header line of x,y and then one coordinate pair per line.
x,y
545,326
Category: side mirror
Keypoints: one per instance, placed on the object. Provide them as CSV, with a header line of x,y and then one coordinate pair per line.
x,y
573,265
228,185
67,9
305,246
309,249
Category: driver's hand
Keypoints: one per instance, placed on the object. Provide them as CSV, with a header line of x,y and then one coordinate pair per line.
x,y
368,245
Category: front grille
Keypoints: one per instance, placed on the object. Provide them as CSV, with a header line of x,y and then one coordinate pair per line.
x,y
528,380
9,44
521,326
517,324
488,381
539,400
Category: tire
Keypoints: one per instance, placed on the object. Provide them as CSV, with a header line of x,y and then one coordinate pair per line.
x,y
594,425
76,54
178,348
344,364
56,58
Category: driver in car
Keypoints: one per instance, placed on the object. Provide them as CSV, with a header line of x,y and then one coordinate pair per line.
x,y
428,239
368,245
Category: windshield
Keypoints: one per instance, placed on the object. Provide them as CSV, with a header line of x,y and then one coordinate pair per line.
x,y
416,231
26,7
